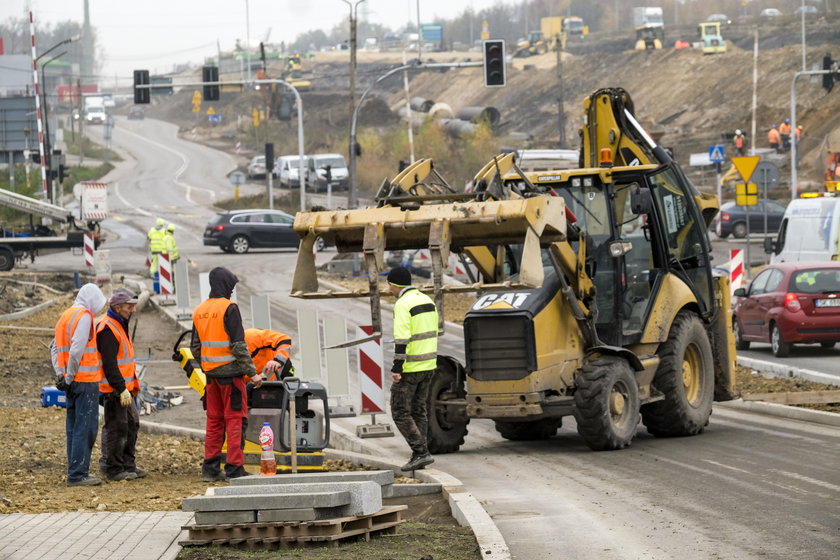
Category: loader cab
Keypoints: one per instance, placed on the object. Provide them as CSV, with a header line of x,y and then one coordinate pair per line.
x,y
641,222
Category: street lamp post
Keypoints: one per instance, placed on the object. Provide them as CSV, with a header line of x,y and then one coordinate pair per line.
x,y
353,9
47,142
43,117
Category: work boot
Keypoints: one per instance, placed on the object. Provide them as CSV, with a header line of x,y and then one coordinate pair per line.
x,y
139,473
235,471
86,481
210,471
418,461
120,476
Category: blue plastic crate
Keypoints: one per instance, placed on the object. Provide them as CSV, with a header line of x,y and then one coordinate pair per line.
x,y
50,396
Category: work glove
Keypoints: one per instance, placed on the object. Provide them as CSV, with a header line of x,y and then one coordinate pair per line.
x,y
125,398
61,383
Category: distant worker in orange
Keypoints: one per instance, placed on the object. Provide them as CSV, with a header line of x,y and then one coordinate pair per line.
x,y
270,352
739,142
784,131
774,138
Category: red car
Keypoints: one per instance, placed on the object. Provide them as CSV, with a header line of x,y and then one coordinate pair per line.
x,y
790,303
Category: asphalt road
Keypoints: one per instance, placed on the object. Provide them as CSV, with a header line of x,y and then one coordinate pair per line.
x,y
751,486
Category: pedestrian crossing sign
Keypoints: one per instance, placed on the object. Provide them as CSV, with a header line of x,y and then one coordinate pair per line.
x,y
746,194
716,154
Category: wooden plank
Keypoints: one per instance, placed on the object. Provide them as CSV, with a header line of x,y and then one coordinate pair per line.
x,y
795,397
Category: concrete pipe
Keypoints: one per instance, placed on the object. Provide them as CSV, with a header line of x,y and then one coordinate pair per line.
x,y
476,114
456,127
421,104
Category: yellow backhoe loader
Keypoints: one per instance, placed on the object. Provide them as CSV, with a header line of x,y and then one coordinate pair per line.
x,y
596,296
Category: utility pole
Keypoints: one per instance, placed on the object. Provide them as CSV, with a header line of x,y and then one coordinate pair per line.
x,y
81,123
561,115
353,6
754,91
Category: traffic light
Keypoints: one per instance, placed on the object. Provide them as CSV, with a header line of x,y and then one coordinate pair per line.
x,y
210,74
141,95
269,158
62,172
827,79
494,63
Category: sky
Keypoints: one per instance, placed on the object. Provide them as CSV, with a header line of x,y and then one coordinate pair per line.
x,y
155,34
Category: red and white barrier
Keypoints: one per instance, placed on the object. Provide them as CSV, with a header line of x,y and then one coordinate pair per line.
x,y
38,115
165,274
89,249
370,372
736,270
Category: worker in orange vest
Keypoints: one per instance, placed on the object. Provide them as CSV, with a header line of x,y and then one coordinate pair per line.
x,y
118,385
739,142
774,138
218,343
270,352
76,364
784,132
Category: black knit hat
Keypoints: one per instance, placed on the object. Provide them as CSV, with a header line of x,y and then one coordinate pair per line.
x,y
400,276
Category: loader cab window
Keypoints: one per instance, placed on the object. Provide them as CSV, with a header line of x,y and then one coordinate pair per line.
x,y
685,237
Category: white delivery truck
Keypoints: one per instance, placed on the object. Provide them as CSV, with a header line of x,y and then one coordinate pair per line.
x,y
809,231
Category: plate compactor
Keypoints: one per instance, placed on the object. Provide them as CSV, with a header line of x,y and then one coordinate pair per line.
x,y
275,402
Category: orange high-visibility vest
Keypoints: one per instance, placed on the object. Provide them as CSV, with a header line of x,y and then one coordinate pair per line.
x,y
265,345
209,321
739,141
784,129
773,136
125,357
64,329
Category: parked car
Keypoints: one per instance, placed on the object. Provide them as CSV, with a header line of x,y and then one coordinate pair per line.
x,y
136,112
806,10
732,219
790,303
256,169
237,231
770,12
722,18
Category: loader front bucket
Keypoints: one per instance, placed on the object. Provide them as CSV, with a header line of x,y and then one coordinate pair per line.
x,y
532,223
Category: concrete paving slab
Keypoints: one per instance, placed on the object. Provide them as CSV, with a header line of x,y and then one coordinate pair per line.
x,y
382,478
268,501
223,517
273,515
403,490
365,496
90,536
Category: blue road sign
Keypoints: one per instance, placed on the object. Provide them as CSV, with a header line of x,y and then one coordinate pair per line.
x,y
716,153
215,119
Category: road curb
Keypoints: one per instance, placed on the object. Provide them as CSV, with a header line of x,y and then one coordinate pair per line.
x,y
784,411
774,369
465,508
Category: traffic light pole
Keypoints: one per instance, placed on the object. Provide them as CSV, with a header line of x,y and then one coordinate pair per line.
x,y
298,102
353,201
793,141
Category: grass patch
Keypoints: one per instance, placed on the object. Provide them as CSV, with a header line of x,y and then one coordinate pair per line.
x,y
92,150
412,541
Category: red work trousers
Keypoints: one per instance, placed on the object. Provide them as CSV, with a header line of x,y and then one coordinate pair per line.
x,y
221,397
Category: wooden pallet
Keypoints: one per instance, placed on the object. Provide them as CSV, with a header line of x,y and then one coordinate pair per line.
x,y
288,534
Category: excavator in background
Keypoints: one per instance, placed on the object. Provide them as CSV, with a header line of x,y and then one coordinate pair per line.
x,y
595,292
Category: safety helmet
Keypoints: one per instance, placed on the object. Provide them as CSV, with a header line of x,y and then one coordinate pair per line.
x,y
170,227
787,121
738,132
772,126
159,222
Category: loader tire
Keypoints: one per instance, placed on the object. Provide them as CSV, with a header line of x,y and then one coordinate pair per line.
x,y
607,403
529,431
686,377
445,433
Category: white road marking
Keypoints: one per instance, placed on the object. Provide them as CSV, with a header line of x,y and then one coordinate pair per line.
x,y
126,202
184,164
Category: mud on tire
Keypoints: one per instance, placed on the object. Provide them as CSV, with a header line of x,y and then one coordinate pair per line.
x,y
686,377
445,433
607,403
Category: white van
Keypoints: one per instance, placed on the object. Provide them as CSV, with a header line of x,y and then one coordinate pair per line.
x,y
287,170
339,175
808,232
